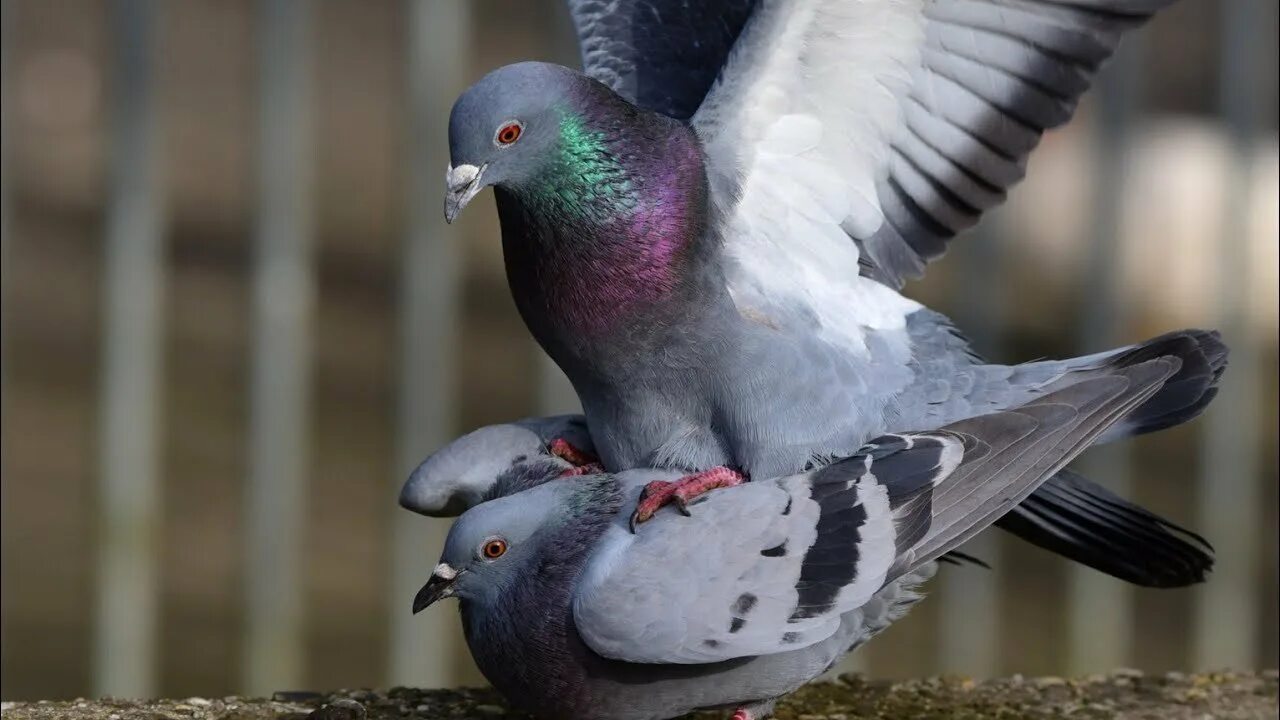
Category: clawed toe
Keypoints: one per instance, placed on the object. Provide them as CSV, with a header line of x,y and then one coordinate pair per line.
x,y
652,498
681,493
594,468
571,453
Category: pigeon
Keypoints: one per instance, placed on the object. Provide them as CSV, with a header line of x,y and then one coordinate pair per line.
x,y
1072,517
571,615
708,229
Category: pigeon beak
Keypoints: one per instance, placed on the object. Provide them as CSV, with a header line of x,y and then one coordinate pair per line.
x,y
463,183
438,587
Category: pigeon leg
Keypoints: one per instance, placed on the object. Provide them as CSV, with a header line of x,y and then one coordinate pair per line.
x,y
583,462
755,711
682,492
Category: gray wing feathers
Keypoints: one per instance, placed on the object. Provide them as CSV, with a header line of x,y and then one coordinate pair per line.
x,y
772,565
722,599
1026,446
765,567
993,77
662,55
497,458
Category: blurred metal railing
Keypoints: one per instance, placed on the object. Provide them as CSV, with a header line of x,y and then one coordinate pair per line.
x,y
280,385
969,625
1100,608
1230,491
426,650
6,40
128,610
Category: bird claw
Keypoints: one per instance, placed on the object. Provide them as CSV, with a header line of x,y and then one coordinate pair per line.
x,y
682,505
681,493
583,462
652,497
594,468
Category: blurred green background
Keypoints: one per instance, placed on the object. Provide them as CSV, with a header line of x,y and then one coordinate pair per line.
x,y
1155,209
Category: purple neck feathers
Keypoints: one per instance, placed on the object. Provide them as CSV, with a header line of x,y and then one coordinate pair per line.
x,y
588,253
524,640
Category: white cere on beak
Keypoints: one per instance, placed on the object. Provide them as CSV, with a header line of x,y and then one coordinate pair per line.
x,y
445,571
461,176
463,184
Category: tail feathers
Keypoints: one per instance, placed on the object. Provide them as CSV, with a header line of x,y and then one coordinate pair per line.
x,y
1075,518
1086,523
1185,395
1008,454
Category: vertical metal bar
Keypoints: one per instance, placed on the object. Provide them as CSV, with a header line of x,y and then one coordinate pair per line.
x,y
426,650
6,43
1100,608
969,614
1225,631
280,385
129,430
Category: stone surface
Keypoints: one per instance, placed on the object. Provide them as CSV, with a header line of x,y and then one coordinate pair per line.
x,y
1122,695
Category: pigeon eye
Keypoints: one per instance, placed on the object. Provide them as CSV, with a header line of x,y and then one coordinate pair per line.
x,y
494,548
508,133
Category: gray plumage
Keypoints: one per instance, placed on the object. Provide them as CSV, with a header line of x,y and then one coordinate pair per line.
x,y
1069,515
724,291
464,472
990,78
776,579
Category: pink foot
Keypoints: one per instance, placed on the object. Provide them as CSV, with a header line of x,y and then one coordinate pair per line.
x,y
584,463
755,711
683,491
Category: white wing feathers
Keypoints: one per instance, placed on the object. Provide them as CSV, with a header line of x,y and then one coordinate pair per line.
x,y
847,136
818,82
797,133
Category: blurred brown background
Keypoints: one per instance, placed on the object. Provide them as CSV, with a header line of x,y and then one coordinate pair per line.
x,y
1155,209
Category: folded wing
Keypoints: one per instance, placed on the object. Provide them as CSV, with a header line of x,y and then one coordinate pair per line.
x,y
771,566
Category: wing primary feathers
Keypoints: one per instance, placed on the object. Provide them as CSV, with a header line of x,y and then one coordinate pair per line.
x,y
1061,424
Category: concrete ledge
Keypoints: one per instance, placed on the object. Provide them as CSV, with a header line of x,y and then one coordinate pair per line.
x,y
1122,695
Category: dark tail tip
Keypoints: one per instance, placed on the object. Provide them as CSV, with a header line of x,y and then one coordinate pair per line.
x,y
1084,522
1186,394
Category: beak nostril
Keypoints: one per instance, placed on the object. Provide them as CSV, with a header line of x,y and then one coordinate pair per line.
x,y
438,587
461,175
462,183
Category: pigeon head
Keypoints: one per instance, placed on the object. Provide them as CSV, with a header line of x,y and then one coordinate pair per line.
x,y
603,204
510,127
494,543
497,459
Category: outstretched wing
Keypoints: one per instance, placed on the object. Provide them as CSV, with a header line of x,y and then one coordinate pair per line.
x,y
847,136
662,55
771,566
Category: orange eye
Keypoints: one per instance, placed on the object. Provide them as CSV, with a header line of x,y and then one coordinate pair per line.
x,y
495,548
508,133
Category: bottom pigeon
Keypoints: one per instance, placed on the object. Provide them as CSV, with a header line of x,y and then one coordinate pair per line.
x,y
767,585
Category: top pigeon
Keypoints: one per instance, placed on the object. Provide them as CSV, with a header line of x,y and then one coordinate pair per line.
x,y
725,291
905,120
